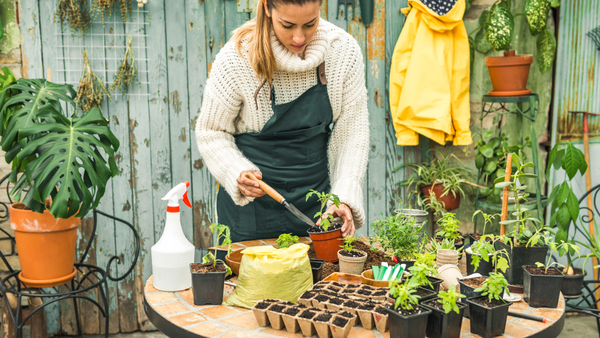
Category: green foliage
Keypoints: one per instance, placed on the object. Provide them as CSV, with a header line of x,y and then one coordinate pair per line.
x,y
404,295
63,157
536,12
449,227
419,273
224,233
499,26
494,286
323,199
400,234
348,240
449,298
286,240
426,258
435,246
546,49
484,249
556,248
487,219
6,78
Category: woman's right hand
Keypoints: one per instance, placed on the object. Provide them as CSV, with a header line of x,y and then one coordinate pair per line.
x,y
249,187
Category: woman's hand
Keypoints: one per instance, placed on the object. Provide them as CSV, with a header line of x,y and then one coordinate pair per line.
x,y
249,187
346,214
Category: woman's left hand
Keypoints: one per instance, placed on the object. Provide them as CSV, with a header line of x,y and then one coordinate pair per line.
x,y
346,214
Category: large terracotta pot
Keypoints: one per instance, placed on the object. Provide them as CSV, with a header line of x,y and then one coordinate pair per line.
x,y
509,74
450,202
46,246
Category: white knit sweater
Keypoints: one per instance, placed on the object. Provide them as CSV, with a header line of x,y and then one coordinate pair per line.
x,y
228,109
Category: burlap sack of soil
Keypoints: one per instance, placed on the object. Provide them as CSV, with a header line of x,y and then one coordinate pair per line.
x,y
266,272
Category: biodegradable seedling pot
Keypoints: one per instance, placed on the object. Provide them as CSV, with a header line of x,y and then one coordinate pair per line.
x,y
274,313
260,313
340,326
327,243
207,287
306,298
488,321
305,321
352,265
483,269
449,274
446,256
317,269
381,319
572,284
519,256
441,324
366,318
509,73
290,320
541,290
349,315
407,326
321,322
450,202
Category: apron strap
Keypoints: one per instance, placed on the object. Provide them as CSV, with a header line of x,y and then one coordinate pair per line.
x,y
321,73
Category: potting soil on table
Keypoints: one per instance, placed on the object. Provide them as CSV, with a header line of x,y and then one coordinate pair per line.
x,y
415,311
373,258
542,271
474,282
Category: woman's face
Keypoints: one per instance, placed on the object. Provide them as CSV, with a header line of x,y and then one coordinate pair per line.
x,y
295,25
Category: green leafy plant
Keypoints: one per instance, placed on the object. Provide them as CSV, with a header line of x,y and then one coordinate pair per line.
x,y
494,286
556,248
485,249
63,157
348,240
399,234
324,198
404,294
286,240
419,273
449,227
223,237
426,258
435,246
487,219
497,26
448,299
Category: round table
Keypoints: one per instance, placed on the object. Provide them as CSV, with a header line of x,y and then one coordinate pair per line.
x,y
175,314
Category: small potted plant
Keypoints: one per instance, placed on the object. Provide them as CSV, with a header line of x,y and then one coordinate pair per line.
x,y
445,320
406,317
423,272
449,230
542,282
352,261
208,277
489,312
327,236
485,251
400,235
286,240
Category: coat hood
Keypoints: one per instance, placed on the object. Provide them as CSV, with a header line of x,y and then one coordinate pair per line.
x,y
436,22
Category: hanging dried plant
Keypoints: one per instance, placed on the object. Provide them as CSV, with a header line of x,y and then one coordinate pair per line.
x,y
75,13
106,7
127,74
90,92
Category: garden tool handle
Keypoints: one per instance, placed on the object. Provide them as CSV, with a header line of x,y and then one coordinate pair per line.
x,y
266,188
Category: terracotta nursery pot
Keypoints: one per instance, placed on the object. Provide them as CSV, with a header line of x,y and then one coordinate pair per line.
x,y
46,246
509,74
327,244
450,202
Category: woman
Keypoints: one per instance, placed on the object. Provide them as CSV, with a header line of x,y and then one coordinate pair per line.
x,y
286,100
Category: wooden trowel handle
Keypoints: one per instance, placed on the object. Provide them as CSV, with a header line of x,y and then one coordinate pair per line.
x,y
265,187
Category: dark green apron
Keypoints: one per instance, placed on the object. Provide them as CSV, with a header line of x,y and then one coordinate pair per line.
x,y
291,153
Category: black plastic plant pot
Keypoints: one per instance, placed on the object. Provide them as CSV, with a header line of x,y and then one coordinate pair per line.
x,y
207,288
519,256
484,267
541,290
435,282
317,269
408,263
413,326
469,292
441,324
572,284
488,321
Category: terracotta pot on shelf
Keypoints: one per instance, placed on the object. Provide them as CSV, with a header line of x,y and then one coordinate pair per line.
x,y
450,202
46,246
509,74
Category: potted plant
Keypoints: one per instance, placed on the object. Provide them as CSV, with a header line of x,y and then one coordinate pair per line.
x,y
352,261
489,312
399,235
65,173
406,317
445,320
509,73
327,236
449,230
542,282
286,240
208,277
422,274
483,256
442,181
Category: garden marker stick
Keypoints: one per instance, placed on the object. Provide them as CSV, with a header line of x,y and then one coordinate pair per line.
x,y
505,196
388,272
173,253
375,271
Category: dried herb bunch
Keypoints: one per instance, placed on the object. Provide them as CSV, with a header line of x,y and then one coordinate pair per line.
x,y
127,74
90,92
76,13
105,8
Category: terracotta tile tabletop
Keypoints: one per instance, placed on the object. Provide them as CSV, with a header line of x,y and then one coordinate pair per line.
x,y
177,310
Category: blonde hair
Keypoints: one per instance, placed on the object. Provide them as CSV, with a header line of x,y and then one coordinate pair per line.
x,y
257,33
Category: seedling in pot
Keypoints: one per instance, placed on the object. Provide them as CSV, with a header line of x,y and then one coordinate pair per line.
x,y
554,247
494,287
224,233
449,227
323,199
435,246
426,258
448,299
485,249
419,273
286,240
404,294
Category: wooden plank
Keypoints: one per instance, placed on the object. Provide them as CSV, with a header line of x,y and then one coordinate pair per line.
x,y
31,40
88,312
215,31
233,18
332,14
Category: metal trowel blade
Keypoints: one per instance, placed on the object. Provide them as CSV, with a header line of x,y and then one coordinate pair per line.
x,y
298,214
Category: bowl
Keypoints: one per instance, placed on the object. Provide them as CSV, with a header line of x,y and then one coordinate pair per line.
x,y
367,278
233,260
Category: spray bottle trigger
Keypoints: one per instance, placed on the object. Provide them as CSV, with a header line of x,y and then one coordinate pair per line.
x,y
186,200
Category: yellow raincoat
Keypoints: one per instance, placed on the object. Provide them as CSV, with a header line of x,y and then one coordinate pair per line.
x,y
429,77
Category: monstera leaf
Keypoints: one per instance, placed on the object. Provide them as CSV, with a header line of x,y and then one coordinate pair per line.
x,y
536,12
499,26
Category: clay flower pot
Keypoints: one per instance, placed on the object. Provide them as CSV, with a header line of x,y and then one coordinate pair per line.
x,y
450,202
46,246
352,265
509,74
327,243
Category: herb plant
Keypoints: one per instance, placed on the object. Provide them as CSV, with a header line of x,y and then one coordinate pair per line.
x,y
286,240
399,234
426,258
448,299
449,227
435,246
494,286
224,233
485,249
487,219
348,243
127,73
556,248
419,273
404,295
324,198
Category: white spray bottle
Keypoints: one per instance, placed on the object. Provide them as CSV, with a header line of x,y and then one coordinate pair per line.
x,y
173,253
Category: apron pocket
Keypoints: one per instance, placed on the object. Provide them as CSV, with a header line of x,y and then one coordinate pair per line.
x,y
294,147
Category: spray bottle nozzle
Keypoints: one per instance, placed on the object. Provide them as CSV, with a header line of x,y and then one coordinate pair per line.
x,y
178,192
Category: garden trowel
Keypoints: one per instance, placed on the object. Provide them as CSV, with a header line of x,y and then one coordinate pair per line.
x,y
276,196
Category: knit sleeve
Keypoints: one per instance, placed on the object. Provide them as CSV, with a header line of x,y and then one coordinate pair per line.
x,y
216,125
349,143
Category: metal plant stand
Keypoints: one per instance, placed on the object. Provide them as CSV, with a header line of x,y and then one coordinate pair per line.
x,y
523,107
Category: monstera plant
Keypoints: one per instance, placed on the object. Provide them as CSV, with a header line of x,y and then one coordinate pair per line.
x,y
61,163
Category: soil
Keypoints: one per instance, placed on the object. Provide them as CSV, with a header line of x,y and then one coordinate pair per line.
x,y
474,282
334,289
329,268
381,310
373,258
379,293
319,228
542,271
287,303
486,302
262,305
277,308
423,292
478,236
351,286
346,314
319,286
352,254
329,293
207,267
292,311
364,292
339,285
321,298
336,301
307,295
351,304
435,303
307,314
340,321
323,317
368,288
415,311
301,306
367,306
270,300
